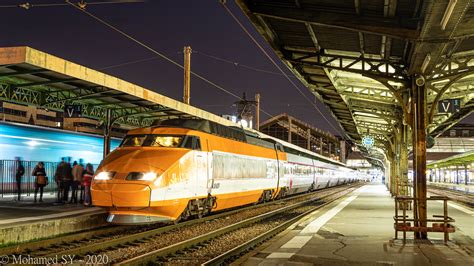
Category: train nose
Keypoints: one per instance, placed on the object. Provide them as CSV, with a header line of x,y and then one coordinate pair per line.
x,y
121,195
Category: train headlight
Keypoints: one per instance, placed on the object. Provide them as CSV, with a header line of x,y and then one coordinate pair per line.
x,y
148,176
139,176
104,176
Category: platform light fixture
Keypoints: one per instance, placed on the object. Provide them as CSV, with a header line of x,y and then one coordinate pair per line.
x,y
447,13
425,63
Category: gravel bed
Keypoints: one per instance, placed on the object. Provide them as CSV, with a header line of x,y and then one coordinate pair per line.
x,y
175,236
222,244
62,246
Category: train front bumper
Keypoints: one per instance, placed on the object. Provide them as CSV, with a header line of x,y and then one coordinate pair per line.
x,y
120,195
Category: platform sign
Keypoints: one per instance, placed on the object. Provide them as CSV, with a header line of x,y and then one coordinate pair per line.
x,y
368,141
449,106
72,111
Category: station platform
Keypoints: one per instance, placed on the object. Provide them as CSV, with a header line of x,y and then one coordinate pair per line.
x,y
358,230
25,220
469,188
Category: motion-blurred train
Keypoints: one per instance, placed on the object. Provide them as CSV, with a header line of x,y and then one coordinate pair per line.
x,y
191,167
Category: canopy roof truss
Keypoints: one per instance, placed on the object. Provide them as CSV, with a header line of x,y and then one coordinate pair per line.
x,y
361,57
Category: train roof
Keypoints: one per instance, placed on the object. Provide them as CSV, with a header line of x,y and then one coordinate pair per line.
x,y
245,135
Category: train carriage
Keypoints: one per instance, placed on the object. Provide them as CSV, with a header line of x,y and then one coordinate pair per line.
x,y
190,167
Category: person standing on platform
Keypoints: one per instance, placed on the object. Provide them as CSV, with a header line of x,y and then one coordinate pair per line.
x,y
59,176
67,179
77,172
81,184
41,180
19,172
87,179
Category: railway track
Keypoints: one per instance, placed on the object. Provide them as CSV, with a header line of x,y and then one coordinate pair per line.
x,y
120,244
221,245
460,197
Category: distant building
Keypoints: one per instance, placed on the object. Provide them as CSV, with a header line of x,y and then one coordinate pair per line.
x,y
458,139
297,132
459,130
32,115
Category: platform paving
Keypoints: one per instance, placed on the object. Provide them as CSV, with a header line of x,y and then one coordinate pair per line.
x,y
358,230
25,220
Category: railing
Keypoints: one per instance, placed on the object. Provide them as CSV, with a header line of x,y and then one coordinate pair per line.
x,y
439,223
8,186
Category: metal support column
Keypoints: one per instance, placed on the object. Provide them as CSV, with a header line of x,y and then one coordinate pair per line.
x,y
419,152
107,131
308,135
457,174
466,177
187,75
342,153
289,129
257,111
397,140
321,145
404,161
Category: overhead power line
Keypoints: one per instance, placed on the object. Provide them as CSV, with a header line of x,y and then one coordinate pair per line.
x,y
156,52
223,2
81,3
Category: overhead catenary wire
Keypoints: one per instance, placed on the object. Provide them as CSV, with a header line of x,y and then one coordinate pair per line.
x,y
157,53
237,64
214,57
28,5
223,2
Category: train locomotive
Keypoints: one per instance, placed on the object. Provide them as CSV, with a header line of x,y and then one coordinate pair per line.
x,y
191,167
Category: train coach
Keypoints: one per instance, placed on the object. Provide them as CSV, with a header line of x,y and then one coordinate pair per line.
x,y
191,167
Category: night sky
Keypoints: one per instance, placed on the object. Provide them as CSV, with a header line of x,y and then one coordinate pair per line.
x,y
166,26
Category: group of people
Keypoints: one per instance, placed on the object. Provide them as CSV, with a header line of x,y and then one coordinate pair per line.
x,y
75,178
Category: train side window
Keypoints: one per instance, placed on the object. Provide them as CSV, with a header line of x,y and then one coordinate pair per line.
x,y
192,143
196,143
279,147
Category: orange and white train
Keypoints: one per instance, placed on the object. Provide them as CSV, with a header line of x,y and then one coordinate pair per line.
x,y
191,167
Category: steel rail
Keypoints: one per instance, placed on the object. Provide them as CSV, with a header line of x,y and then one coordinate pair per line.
x,y
466,199
144,259
100,246
243,248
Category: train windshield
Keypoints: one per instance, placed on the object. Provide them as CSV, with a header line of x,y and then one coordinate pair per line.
x,y
167,141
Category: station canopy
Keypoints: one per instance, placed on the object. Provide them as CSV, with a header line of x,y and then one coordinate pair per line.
x,y
463,159
32,77
361,57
